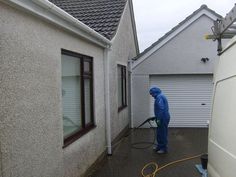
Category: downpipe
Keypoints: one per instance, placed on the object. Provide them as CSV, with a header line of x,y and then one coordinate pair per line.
x,y
107,103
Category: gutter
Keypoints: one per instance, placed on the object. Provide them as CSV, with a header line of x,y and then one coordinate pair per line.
x,y
107,103
50,12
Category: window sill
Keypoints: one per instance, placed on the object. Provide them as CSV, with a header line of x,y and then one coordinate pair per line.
x,y
77,135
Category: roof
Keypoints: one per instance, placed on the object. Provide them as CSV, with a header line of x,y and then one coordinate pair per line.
x,y
175,28
103,16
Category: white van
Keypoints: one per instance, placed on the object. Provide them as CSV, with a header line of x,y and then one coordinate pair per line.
x,y
222,129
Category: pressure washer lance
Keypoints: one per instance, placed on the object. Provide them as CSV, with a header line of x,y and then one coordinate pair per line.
x,y
148,120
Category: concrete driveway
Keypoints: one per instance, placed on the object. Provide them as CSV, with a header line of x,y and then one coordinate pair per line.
x,y
133,152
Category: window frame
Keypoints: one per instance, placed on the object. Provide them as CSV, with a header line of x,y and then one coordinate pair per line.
x,y
84,75
123,87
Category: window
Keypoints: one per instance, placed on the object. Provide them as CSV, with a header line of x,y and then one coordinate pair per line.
x,y
77,95
122,100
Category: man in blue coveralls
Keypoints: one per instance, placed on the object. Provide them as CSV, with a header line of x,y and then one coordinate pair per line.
x,y
161,110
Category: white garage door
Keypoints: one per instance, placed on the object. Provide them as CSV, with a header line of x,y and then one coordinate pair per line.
x,y
189,98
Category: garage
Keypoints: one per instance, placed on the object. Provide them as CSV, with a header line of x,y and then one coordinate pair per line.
x,y
182,64
189,98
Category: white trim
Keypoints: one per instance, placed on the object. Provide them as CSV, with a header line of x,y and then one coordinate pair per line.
x,y
50,12
133,25
173,34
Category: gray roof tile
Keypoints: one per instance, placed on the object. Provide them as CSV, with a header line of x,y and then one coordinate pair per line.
x,y
102,16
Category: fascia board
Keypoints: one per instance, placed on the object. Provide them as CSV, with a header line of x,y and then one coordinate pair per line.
x,y
53,14
172,35
134,25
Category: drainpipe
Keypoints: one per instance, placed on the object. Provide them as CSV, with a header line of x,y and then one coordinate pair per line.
x,y
107,103
131,93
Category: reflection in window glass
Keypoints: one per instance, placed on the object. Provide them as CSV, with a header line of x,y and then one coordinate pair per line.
x,y
87,101
86,66
77,95
122,93
119,86
71,83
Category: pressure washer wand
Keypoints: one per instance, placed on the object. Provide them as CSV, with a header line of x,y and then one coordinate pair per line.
x,y
148,120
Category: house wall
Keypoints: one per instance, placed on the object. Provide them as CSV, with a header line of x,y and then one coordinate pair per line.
x,y
31,127
123,48
181,55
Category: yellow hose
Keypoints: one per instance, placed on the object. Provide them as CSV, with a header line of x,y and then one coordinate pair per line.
x,y
157,169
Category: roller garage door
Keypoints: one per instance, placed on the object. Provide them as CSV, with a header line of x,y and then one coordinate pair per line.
x,y
189,98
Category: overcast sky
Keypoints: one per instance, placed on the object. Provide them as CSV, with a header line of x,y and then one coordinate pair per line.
x,y
154,18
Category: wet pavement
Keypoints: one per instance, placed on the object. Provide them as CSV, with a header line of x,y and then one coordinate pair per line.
x,y
134,151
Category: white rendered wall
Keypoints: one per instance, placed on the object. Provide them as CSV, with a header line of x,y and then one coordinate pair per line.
x,y
183,53
31,127
123,48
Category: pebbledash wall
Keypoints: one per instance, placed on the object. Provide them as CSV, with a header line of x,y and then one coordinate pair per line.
x,y
31,131
31,126
123,48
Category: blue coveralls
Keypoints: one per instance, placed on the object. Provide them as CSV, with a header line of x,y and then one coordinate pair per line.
x,y
161,110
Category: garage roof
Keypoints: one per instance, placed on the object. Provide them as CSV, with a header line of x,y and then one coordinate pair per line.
x,y
203,7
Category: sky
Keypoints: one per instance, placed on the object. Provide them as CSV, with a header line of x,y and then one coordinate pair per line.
x,y
154,18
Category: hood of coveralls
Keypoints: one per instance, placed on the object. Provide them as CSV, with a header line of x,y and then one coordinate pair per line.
x,y
155,91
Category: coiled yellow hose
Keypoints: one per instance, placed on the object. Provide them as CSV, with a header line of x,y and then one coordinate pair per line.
x,y
157,169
